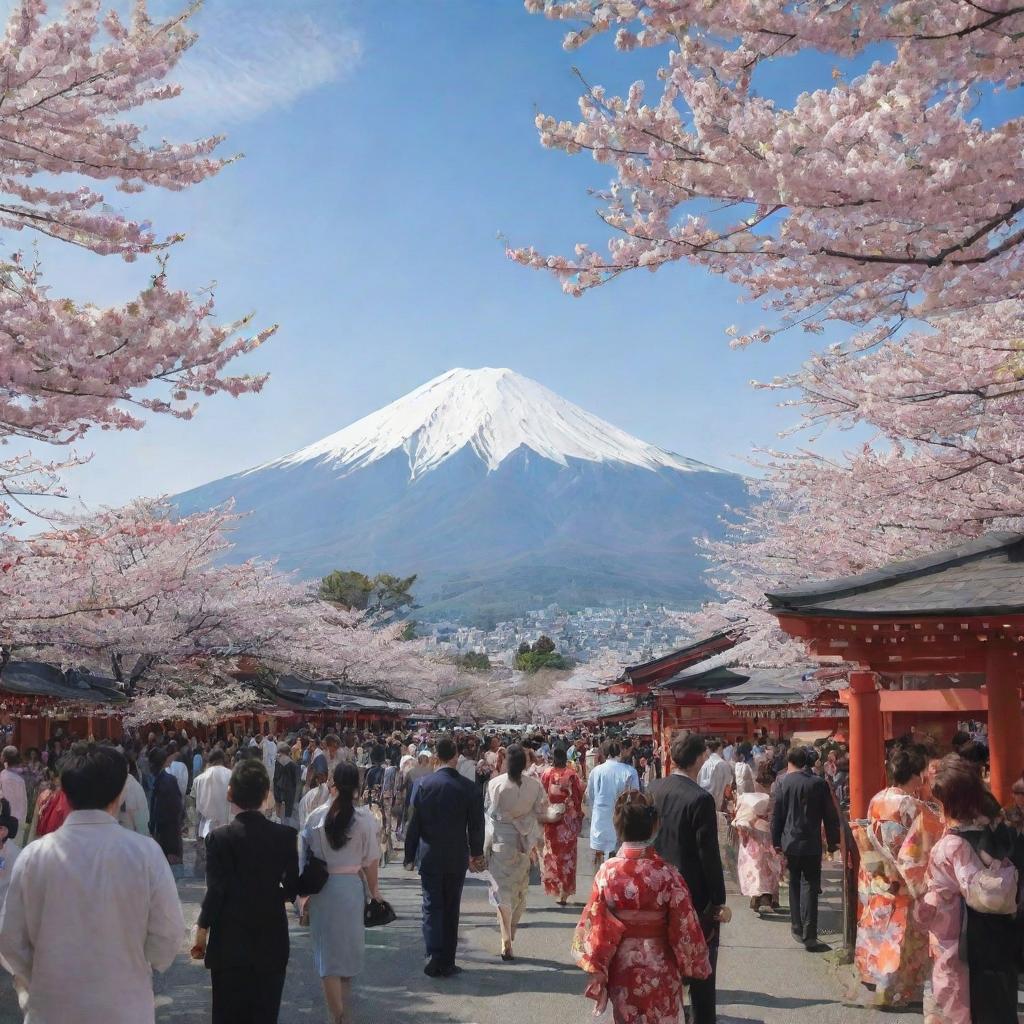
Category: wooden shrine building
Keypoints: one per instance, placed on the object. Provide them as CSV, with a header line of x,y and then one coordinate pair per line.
x,y
955,613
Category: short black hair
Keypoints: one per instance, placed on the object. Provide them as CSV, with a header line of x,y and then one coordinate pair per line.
x,y
798,757
249,784
558,757
445,749
216,756
686,749
93,776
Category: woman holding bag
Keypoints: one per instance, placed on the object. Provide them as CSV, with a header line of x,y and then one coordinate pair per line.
x,y
346,839
970,905
561,838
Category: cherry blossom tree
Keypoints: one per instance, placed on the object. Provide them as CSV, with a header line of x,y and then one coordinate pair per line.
x,y
877,201
148,597
874,198
70,86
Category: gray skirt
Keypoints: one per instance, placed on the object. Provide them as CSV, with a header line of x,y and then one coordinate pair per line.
x,y
336,927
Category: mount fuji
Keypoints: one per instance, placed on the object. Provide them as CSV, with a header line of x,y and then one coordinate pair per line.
x,y
498,493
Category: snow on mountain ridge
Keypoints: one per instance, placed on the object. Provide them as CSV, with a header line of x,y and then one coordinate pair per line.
x,y
495,412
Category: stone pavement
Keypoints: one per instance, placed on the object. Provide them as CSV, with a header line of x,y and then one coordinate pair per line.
x,y
764,976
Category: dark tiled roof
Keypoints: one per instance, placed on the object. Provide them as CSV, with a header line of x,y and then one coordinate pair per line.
x,y
982,577
704,676
764,688
689,653
36,678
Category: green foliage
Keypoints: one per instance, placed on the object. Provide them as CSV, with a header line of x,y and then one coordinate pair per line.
x,y
357,591
534,661
474,660
542,654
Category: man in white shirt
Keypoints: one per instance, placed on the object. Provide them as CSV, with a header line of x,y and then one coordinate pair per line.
x,y
715,774
332,748
468,758
211,792
133,812
316,797
607,781
92,909
177,768
12,785
268,751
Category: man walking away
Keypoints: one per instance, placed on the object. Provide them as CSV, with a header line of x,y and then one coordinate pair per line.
x,y
287,784
252,870
688,840
803,802
604,786
447,822
716,775
92,909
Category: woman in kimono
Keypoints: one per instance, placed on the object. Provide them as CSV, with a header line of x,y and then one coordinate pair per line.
x,y
895,841
758,866
639,935
974,961
515,806
561,838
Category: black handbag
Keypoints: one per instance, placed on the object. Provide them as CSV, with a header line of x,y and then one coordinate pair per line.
x,y
314,876
378,912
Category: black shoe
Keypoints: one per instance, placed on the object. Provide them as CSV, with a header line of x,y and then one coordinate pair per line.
x,y
432,969
451,972
817,947
796,935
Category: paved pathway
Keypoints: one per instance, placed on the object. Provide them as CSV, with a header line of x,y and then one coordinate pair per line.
x,y
764,976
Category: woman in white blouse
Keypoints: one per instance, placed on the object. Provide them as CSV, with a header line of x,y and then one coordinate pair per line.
x,y
516,805
346,837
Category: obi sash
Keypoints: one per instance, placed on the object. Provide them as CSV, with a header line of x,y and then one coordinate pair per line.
x,y
643,924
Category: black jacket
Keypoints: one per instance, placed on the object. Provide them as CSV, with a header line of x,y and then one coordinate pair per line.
x,y
287,785
252,870
803,802
688,837
448,819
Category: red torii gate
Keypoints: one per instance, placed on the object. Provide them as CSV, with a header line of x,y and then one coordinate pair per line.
x,y
952,612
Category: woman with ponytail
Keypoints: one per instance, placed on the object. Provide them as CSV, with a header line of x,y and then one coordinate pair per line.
x,y
516,804
346,838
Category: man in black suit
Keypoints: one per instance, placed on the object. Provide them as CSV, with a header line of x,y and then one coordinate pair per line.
x,y
447,824
803,802
252,871
688,839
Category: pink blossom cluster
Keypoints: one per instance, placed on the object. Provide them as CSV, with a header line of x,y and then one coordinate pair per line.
x,y
71,85
880,202
146,596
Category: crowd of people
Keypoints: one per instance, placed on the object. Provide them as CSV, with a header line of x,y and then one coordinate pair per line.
x,y
305,819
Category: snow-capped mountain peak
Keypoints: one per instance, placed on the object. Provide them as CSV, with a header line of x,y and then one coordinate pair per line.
x,y
493,411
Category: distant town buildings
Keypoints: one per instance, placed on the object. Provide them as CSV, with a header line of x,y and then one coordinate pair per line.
x,y
631,632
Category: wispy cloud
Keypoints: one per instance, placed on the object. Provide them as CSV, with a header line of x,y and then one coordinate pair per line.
x,y
250,60
252,56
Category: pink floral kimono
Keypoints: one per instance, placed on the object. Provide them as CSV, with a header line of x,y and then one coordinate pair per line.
x,y
640,937
758,866
955,875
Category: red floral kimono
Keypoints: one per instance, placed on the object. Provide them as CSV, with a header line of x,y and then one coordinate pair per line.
x,y
561,838
640,937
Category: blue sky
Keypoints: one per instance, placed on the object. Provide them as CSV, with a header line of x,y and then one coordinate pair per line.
x,y
386,146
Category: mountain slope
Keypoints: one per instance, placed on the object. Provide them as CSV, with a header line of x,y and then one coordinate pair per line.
x,y
499,493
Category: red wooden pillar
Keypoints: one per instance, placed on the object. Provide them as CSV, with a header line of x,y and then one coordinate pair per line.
x,y
867,746
1005,721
